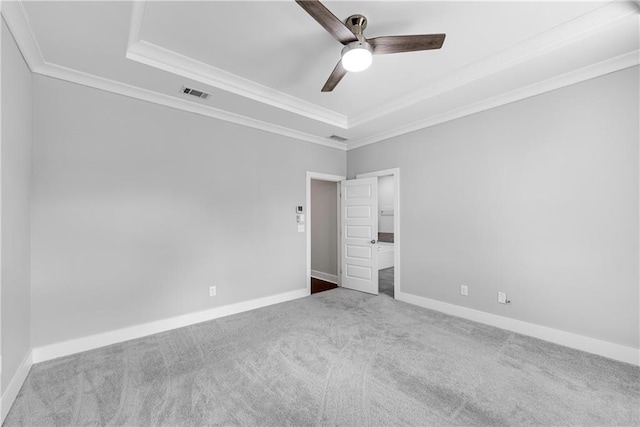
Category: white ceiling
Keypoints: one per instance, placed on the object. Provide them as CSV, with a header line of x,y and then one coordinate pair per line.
x,y
264,62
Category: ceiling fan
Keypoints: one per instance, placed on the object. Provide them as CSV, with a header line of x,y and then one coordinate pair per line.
x,y
358,51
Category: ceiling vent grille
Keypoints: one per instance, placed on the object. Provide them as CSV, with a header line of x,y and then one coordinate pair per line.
x,y
195,92
338,138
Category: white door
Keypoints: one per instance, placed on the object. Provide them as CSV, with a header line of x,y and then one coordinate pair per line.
x,y
359,234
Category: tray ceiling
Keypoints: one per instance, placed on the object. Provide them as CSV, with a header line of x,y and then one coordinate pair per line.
x,y
264,62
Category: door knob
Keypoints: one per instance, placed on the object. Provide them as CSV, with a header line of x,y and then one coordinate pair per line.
x,y
373,242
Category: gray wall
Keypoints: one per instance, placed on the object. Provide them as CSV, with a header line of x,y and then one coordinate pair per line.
x,y
538,198
137,209
324,227
16,170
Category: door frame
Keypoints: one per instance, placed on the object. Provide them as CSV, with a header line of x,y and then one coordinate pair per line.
x,y
395,172
330,178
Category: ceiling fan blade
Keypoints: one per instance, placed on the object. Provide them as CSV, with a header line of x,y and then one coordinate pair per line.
x,y
336,75
328,20
399,44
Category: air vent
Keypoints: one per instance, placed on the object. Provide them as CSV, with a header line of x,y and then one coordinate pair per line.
x,y
195,92
338,138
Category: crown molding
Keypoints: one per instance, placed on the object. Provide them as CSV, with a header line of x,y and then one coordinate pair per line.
x,y
580,28
173,62
18,23
16,18
137,16
589,72
176,63
101,83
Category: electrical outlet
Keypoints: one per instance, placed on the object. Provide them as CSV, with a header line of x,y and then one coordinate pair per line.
x,y
212,291
464,290
502,298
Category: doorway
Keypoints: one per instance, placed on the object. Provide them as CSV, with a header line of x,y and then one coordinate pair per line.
x,y
323,244
388,230
396,272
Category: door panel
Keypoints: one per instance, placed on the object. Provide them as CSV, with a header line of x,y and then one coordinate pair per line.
x,y
359,237
356,272
358,231
358,191
358,252
358,211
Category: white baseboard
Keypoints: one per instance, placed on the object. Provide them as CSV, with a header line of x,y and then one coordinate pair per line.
x,y
592,345
331,278
10,394
65,348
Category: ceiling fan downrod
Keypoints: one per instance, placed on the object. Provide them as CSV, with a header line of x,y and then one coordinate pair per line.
x,y
357,24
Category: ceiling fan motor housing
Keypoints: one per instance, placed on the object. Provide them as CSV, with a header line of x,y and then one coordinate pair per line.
x,y
357,45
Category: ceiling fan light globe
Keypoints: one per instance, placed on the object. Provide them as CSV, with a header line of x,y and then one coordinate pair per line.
x,y
357,56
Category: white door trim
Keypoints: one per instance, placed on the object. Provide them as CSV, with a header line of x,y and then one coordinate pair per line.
x,y
396,222
320,177
2,406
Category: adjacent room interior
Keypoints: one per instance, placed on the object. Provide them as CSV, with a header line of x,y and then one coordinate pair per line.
x,y
320,213
385,235
323,228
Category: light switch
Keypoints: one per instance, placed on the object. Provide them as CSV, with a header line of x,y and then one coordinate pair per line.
x,y
300,228
300,218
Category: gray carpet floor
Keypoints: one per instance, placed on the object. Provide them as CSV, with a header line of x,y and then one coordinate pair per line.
x,y
335,358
